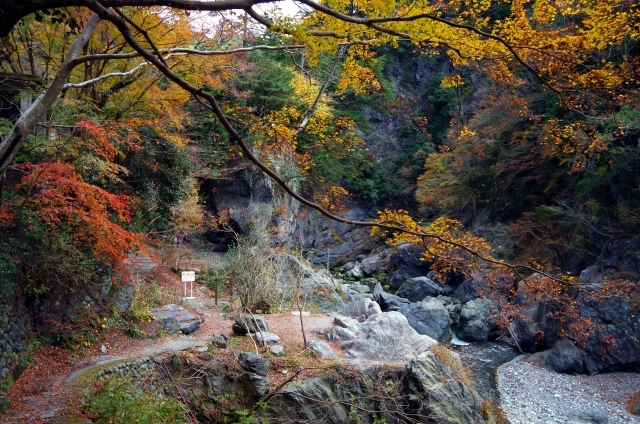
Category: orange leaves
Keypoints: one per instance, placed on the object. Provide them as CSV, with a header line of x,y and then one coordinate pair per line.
x,y
102,146
59,197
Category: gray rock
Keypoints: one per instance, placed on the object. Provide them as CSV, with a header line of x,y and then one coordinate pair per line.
x,y
188,327
418,288
247,324
124,296
260,384
254,363
359,288
316,401
388,302
565,357
386,337
613,310
468,290
537,331
187,322
454,309
277,350
407,262
590,416
344,322
428,318
348,266
356,272
103,350
171,325
623,354
475,321
219,342
371,265
322,349
335,334
361,309
266,338
319,286
205,356
435,394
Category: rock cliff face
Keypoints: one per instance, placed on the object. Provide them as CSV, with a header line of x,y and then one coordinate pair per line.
x,y
422,391
13,326
248,194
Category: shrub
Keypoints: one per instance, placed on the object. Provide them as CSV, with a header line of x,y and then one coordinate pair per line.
x,y
118,403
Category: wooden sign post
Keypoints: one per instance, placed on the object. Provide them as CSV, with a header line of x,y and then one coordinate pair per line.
x,y
188,277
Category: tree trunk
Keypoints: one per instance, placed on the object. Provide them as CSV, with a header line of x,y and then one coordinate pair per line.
x,y
11,143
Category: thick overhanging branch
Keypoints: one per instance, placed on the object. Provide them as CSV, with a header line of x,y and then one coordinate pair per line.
x,y
122,26
11,11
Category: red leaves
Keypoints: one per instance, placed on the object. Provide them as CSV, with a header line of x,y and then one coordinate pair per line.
x,y
59,196
102,146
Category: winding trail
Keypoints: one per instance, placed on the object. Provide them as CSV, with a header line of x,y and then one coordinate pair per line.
x,y
48,399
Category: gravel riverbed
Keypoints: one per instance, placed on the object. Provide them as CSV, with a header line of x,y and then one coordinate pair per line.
x,y
531,394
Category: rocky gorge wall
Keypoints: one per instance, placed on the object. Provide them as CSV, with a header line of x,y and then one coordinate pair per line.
x,y
13,328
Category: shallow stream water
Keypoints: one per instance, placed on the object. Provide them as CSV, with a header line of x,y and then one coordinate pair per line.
x,y
484,359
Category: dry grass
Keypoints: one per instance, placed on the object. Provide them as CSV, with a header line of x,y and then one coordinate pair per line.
x,y
461,372
633,402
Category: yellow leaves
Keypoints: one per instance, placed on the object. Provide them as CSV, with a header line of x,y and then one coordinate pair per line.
x,y
445,239
306,90
437,185
544,12
451,81
357,77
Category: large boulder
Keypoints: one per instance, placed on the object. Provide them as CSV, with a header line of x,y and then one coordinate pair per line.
x,y
434,393
407,262
565,357
613,310
468,290
613,347
124,296
249,324
386,337
322,349
254,363
371,265
319,286
361,309
319,400
417,288
476,323
538,330
175,314
331,240
388,302
429,318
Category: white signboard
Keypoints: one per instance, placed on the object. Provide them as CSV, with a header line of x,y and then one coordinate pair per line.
x,y
188,276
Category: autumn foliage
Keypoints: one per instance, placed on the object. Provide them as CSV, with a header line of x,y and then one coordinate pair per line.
x,y
58,196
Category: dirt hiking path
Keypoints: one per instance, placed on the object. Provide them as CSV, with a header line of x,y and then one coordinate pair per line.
x,y
43,393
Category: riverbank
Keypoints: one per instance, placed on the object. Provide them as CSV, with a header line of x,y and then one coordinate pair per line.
x,y
531,394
